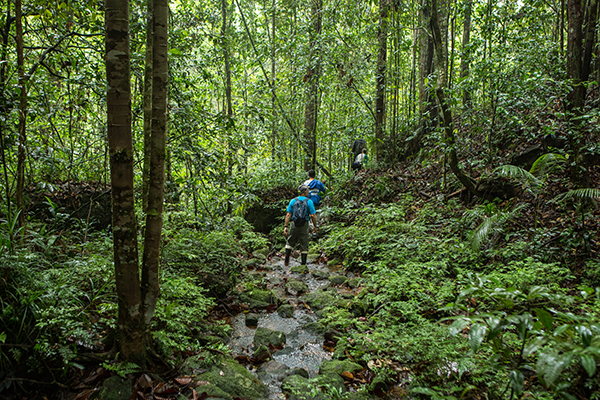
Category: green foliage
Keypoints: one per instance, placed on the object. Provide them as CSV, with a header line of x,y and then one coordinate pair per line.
x,y
527,332
180,311
494,221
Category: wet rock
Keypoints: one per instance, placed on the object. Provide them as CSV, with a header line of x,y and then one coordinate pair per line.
x,y
340,350
226,374
285,351
320,299
116,388
256,298
262,353
338,367
295,287
272,370
251,320
276,280
265,336
315,327
338,279
286,311
299,269
320,274
213,392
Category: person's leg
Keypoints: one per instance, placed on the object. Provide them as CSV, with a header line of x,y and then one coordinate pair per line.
x,y
303,240
291,242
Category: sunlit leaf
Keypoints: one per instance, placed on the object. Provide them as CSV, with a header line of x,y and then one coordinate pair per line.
x,y
589,363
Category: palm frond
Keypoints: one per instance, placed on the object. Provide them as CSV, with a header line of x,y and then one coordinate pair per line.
x,y
526,179
491,225
546,161
585,193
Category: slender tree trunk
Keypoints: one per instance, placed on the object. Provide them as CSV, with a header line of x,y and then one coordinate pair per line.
x,y
380,140
130,322
465,60
224,43
312,78
4,108
151,256
147,106
22,114
448,124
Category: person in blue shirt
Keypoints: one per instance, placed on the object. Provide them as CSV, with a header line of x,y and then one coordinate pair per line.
x,y
316,188
298,233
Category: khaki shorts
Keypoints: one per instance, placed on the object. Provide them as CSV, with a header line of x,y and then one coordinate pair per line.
x,y
298,236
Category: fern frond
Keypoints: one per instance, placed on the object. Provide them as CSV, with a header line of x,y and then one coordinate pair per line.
x,y
526,179
546,161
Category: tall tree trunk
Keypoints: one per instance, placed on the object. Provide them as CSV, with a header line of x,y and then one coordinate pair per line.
x,y
447,122
380,140
4,108
151,256
130,322
22,114
147,106
581,36
312,78
273,79
465,59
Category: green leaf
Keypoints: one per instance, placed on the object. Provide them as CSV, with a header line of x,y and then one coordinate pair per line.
x,y
589,363
586,335
476,335
545,318
3,337
516,379
496,327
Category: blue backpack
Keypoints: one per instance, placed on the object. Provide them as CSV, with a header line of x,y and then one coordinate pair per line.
x,y
300,211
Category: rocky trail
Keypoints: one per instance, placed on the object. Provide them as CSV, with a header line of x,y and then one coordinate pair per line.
x,y
278,336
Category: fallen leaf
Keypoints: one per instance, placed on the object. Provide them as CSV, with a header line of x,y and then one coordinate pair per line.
x,y
145,381
347,375
183,380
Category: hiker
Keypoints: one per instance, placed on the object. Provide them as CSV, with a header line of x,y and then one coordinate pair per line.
x,y
357,147
299,211
360,160
316,188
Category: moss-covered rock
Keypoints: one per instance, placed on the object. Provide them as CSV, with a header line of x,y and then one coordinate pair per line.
x,y
265,336
315,327
317,274
333,262
262,353
353,283
251,319
226,374
257,298
338,367
213,392
295,287
116,388
338,279
286,311
299,269
321,299
261,254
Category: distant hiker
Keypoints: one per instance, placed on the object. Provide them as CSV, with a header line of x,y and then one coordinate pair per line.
x,y
299,211
360,160
357,147
316,188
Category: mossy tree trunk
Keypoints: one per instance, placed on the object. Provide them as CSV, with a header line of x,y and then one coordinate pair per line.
x,y
312,79
130,322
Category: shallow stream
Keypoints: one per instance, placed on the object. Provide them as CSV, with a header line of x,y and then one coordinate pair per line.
x,y
303,348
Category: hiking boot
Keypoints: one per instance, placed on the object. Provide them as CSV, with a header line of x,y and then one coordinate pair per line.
x,y
288,253
303,258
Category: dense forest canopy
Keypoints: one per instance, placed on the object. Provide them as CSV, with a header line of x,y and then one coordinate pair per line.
x,y
481,122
